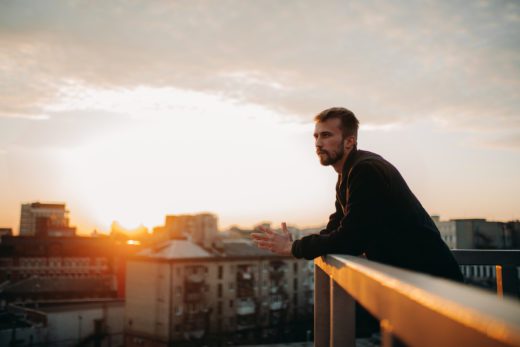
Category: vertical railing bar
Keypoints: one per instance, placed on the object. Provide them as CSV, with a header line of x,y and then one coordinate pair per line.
x,y
321,308
387,337
331,312
342,317
500,288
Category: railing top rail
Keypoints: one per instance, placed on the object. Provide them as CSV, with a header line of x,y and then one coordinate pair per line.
x,y
411,299
487,256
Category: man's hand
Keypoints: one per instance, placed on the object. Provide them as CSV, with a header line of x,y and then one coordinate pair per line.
x,y
274,242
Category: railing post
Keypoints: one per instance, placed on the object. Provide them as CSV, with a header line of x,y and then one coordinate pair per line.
x,y
387,336
500,290
343,317
321,308
388,339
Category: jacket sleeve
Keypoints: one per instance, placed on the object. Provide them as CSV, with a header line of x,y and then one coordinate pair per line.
x,y
363,213
334,220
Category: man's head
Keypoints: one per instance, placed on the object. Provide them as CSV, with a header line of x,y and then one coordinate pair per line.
x,y
335,134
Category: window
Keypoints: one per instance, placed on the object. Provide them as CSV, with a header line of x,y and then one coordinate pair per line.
x,y
295,284
220,290
230,303
295,267
220,272
219,308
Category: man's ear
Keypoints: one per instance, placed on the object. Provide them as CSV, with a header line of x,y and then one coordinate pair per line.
x,y
350,142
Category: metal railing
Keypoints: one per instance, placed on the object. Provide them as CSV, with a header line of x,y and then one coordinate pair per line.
x,y
417,309
506,264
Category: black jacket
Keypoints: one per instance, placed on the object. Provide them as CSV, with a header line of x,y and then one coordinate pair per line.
x,y
378,215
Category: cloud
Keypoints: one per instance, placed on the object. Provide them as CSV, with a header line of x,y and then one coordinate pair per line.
x,y
508,140
389,62
59,129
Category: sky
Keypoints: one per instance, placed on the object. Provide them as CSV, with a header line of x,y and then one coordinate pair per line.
x,y
131,110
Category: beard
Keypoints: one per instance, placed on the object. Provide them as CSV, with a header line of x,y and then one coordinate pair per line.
x,y
331,158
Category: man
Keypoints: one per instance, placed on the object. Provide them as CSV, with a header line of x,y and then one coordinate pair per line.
x,y
376,213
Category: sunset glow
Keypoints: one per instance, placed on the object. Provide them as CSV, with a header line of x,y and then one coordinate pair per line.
x,y
220,119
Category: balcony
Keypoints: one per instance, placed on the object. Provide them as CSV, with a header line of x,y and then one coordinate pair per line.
x,y
195,278
276,275
277,270
244,276
246,322
194,325
416,309
195,292
276,305
276,302
194,297
245,285
245,307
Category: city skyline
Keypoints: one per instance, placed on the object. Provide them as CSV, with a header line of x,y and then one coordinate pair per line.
x,y
130,112
138,230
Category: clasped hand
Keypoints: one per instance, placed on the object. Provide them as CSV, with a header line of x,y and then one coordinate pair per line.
x,y
272,241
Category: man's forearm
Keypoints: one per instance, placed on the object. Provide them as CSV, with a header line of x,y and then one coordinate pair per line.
x,y
309,247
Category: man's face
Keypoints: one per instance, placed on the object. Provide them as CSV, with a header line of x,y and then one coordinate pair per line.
x,y
329,141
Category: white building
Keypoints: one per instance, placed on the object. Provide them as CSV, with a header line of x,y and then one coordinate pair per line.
x,y
179,292
65,324
473,233
448,230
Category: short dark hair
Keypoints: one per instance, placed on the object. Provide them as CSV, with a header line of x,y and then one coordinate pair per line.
x,y
349,122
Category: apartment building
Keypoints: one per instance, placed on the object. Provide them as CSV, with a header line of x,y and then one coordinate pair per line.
x,y
179,291
476,233
39,269
201,228
44,220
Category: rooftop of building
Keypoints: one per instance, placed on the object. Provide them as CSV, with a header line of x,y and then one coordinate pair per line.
x,y
175,249
242,248
187,250
46,205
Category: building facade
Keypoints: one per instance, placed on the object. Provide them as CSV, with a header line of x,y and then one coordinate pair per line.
x,y
237,294
201,228
44,220
39,269
477,233
65,324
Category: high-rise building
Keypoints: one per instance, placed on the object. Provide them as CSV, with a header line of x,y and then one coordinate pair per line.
x,y
200,228
45,219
